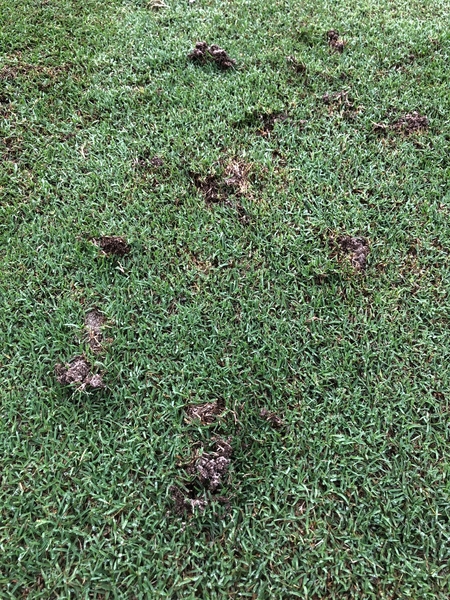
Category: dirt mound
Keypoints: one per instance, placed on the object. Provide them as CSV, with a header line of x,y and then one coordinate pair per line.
x,y
210,187
407,124
78,371
202,53
271,418
213,466
357,247
93,322
336,43
206,413
113,245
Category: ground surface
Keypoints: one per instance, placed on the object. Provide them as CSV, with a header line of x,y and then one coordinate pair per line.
x,y
319,466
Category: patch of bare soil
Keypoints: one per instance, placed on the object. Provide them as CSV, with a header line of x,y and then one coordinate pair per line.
x,y
93,322
336,43
210,187
234,181
186,502
206,413
410,123
271,418
203,53
212,466
268,122
113,245
78,371
357,248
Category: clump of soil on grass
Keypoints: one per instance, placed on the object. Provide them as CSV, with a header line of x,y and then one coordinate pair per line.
x,y
336,43
202,53
212,466
271,418
410,123
216,189
357,248
206,413
93,322
113,245
78,371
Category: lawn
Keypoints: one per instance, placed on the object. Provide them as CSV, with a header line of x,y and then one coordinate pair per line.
x,y
278,312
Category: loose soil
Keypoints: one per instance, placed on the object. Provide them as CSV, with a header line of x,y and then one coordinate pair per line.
x,y
202,53
78,371
186,502
93,322
113,245
336,43
213,466
357,248
410,123
206,413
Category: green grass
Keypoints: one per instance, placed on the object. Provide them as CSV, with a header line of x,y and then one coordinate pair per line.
x,y
351,498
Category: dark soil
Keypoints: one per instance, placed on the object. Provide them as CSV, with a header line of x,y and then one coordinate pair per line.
x,y
203,53
156,161
336,43
268,122
357,248
93,322
205,413
410,123
113,245
271,418
186,502
212,466
210,187
78,371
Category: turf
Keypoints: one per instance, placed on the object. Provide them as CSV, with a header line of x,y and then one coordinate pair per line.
x,y
247,301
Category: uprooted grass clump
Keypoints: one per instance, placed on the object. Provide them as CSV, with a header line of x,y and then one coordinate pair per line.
x,y
79,372
203,53
357,248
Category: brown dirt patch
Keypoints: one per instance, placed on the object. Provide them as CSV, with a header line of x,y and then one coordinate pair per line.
x,y
340,101
410,123
186,502
93,322
210,187
203,53
268,122
113,245
212,466
271,418
335,43
206,413
78,371
357,248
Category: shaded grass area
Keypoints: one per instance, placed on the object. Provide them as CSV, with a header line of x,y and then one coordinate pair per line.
x,y
350,498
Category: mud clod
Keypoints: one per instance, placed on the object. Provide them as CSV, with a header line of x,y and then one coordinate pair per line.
x,y
358,248
78,371
93,322
202,53
336,43
205,413
113,245
271,418
213,466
